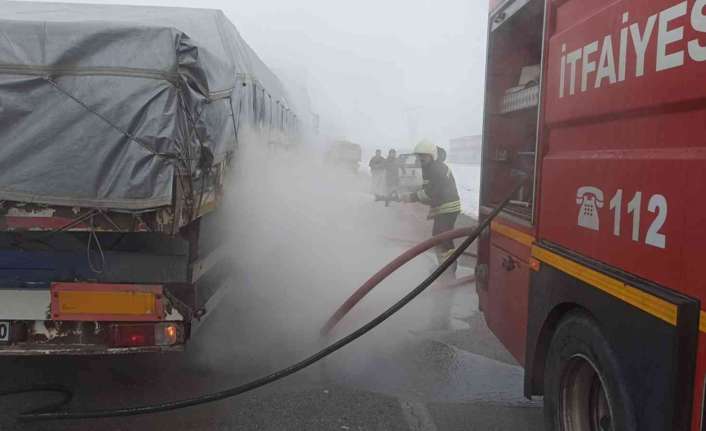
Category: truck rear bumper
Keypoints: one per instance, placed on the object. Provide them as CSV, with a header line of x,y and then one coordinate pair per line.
x,y
89,319
51,337
79,350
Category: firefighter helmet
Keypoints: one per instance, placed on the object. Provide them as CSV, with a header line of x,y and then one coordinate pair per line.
x,y
426,147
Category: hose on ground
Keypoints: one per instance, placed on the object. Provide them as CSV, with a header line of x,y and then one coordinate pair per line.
x,y
385,272
278,375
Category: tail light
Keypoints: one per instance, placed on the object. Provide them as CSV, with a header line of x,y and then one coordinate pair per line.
x,y
145,334
167,334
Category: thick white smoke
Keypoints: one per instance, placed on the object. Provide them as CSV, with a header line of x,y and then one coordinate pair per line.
x,y
304,236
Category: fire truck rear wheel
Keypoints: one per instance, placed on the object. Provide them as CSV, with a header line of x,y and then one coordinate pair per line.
x,y
584,389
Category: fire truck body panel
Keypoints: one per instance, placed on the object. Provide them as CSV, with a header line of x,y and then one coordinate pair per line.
x,y
636,136
506,309
634,141
507,250
615,227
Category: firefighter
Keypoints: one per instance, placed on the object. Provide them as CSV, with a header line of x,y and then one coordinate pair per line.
x,y
392,176
377,170
440,194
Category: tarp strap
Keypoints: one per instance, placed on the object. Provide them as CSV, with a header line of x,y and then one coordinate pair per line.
x,y
104,119
129,72
177,159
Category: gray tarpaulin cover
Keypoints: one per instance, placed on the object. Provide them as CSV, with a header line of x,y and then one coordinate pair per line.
x,y
101,105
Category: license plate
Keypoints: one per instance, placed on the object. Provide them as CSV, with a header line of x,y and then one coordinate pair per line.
x,y
4,332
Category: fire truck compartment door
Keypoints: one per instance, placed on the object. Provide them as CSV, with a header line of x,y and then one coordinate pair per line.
x,y
506,306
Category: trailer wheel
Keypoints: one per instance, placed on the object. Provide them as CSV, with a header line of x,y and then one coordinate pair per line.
x,y
584,389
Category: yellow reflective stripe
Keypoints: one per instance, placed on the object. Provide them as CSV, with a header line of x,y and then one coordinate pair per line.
x,y
651,304
702,321
456,204
447,255
512,233
451,207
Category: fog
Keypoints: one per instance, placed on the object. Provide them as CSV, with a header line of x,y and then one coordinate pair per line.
x,y
380,73
301,246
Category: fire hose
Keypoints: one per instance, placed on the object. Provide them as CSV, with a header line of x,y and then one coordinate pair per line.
x,y
390,268
46,414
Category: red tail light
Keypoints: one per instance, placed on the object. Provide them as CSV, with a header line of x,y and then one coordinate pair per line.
x,y
126,335
145,334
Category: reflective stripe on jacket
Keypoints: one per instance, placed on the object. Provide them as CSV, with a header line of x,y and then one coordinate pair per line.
x,y
439,190
447,208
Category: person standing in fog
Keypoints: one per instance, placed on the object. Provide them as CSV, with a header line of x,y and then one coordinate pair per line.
x,y
377,170
441,154
392,176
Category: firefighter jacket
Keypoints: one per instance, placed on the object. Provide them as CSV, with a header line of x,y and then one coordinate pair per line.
x,y
439,190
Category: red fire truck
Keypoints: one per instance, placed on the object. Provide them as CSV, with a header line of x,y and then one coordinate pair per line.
x,y
591,277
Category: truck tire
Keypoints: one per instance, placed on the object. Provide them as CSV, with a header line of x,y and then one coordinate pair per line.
x,y
584,389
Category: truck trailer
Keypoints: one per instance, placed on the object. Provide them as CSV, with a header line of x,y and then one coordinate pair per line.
x,y
591,277
119,127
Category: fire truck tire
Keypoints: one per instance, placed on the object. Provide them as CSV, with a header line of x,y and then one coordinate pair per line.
x,y
584,389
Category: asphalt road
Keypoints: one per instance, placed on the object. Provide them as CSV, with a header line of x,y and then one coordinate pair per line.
x,y
401,377
428,381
